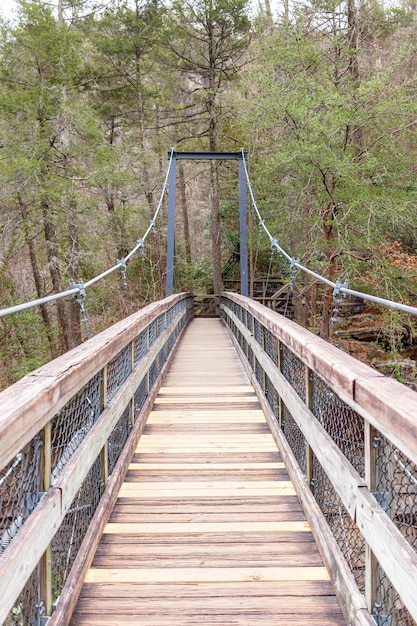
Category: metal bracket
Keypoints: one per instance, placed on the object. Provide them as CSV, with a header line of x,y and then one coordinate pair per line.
x,y
377,442
33,499
338,295
380,620
384,499
42,619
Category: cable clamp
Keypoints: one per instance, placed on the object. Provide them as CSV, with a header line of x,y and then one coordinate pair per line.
x,y
152,223
338,295
274,244
122,266
293,264
80,296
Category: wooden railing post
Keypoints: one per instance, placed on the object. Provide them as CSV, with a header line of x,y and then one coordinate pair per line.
x,y
371,481
280,402
46,560
104,456
309,404
132,367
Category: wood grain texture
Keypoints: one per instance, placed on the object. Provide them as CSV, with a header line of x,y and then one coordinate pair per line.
x,y
207,527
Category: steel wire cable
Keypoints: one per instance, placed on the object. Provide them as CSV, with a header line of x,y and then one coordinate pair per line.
x,y
78,289
339,289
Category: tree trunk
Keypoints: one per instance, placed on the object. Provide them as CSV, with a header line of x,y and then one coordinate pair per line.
x,y
46,319
52,252
184,209
356,134
214,178
74,255
328,217
215,229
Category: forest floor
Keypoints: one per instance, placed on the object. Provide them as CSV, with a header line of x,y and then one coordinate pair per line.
x,y
364,336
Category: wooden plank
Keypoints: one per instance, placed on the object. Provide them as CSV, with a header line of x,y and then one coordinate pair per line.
x,y
213,620
127,506
143,467
260,589
212,475
221,527
203,486
207,538
198,551
231,493
204,389
213,606
125,515
199,575
264,456
204,427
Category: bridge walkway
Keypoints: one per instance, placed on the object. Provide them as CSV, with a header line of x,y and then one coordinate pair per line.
x,y
207,528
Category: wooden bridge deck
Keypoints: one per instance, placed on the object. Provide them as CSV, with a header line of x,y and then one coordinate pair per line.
x,y
207,528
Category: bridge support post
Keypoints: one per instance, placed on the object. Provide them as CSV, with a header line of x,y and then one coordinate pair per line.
x,y
243,231
172,184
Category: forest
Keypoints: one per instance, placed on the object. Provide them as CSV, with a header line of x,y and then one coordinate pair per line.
x,y
321,94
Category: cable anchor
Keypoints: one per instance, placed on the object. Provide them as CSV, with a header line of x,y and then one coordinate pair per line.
x,y
122,267
338,298
80,298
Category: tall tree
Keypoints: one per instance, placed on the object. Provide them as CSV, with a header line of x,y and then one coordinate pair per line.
x,y
45,120
326,138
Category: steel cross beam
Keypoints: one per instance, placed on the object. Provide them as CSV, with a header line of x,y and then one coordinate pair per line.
x,y
243,231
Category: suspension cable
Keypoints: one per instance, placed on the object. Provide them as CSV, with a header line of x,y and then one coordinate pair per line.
x,y
339,289
120,265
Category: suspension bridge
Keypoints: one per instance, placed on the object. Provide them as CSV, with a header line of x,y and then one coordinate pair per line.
x,y
232,470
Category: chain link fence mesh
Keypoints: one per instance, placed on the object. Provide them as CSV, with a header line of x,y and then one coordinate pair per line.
x,y
71,425
118,371
344,425
396,491
293,369
20,487
29,607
